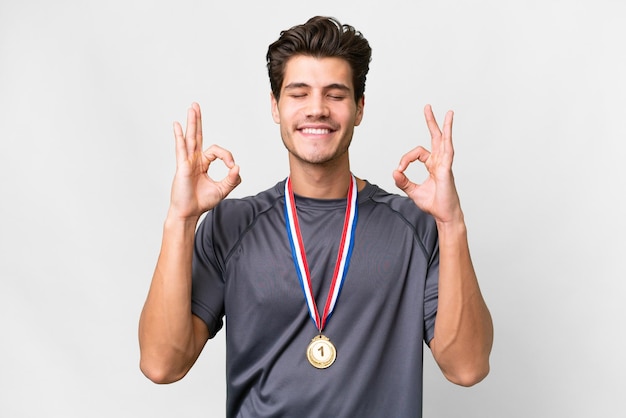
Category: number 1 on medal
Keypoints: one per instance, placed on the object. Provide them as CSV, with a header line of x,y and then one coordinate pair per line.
x,y
321,352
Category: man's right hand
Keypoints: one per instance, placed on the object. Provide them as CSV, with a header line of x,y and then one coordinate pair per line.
x,y
193,190
170,336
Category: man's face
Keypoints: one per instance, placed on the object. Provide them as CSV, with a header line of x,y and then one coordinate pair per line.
x,y
316,110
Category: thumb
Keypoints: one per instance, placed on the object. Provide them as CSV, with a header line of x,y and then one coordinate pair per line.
x,y
402,181
232,180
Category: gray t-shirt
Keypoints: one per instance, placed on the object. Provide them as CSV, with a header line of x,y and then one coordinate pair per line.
x,y
243,270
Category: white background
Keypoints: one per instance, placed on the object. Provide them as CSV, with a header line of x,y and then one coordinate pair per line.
x,y
88,94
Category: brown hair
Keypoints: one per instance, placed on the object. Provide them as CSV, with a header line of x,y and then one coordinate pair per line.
x,y
320,37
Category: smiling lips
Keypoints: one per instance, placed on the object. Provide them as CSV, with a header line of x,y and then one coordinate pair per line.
x,y
315,131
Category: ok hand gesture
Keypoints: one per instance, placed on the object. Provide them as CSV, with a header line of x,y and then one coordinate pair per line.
x,y
193,190
437,194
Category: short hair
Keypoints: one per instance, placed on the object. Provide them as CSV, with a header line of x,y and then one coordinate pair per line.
x,y
320,37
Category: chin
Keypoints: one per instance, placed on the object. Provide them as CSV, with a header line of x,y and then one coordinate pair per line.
x,y
318,159
317,155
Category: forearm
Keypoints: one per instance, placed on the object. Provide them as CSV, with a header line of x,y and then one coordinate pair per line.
x,y
166,327
463,327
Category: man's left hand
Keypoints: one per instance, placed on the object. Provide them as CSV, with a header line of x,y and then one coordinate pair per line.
x,y
437,194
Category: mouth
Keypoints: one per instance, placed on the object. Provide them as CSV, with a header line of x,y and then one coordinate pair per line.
x,y
315,131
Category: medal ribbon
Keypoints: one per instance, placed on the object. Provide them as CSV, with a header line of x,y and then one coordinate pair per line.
x,y
343,255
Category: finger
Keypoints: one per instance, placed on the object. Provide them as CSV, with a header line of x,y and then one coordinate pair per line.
x,y
433,128
431,122
199,137
190,131
447,132
181,147
216,152
419,153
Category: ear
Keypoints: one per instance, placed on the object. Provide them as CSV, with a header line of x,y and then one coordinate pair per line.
x,y
275,112
359,111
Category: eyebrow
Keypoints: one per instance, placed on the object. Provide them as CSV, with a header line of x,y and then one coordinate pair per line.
x,y
297,85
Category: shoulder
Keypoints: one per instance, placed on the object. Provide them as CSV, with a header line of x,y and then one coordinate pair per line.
x,y
232,217
397,205
245,209
391,208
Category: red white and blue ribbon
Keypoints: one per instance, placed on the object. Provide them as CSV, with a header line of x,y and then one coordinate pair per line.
x,y
343,255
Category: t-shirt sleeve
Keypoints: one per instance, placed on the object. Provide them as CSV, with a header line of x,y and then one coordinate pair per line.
x,y
431,296
207,294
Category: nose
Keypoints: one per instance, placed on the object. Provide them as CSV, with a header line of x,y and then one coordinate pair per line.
x,y
317,106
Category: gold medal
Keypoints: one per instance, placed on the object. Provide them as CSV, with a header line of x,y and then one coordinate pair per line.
x,y
321,352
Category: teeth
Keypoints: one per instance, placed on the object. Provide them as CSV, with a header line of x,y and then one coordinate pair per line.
x,y
316,131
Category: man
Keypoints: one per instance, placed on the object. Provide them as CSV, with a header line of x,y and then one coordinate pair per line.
x,y
329,284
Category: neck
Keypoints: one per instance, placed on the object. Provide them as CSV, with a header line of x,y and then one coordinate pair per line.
x,y
321,182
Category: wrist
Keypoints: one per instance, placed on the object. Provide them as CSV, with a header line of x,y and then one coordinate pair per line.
x,y
175,219
454,226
